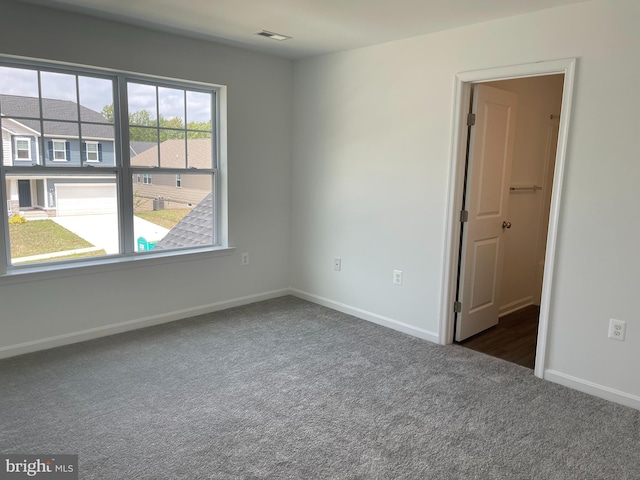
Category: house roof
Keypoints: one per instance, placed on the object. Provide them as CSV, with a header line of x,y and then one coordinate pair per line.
x,y
195,228
138,147
19,106
172,154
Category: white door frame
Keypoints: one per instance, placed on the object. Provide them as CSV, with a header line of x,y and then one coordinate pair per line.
x,y
462,97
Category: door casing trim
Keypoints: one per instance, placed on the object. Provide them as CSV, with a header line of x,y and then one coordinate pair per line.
x,y
462,97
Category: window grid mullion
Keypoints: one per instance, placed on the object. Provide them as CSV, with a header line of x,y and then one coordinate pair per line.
x,y
4,211
41,141
186,133
215,181
158,122
170,171
82,160
121,108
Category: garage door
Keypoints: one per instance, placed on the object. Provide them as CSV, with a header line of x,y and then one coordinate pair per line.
x,y
86,198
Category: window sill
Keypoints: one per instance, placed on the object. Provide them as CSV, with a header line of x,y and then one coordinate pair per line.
x,y
108,264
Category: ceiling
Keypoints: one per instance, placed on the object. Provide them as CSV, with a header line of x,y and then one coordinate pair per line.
x,y
317,26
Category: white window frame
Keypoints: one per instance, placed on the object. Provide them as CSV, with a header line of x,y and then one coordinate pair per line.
x,y
125,173
17,155
97,151
178,180
147,179
64,150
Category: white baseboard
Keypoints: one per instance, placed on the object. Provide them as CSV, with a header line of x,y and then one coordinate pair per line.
x,y
591,388
369,316
80,336
515,306
585,386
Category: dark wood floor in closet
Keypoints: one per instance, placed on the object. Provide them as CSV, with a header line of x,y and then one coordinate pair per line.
x,y
513,339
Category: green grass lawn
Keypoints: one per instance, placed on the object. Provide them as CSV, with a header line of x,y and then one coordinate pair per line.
x,y
42,236
165,218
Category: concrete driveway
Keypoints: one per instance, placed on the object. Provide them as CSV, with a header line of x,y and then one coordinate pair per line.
x,y
102,230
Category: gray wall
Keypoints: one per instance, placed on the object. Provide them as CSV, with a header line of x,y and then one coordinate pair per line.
x,y
66,306
371,161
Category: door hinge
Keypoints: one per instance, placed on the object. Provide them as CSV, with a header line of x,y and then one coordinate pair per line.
x,y
457,307
464,216
471,119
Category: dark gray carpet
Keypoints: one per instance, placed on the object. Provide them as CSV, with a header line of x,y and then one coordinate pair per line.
x,y
289,389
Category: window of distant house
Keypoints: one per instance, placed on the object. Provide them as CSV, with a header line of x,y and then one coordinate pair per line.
x,y
92,151
59,149
23,148
108,149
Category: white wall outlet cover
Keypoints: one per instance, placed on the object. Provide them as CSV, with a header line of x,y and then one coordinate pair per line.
x,y
617,329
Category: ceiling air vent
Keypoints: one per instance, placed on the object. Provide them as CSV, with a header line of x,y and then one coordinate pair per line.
x,y
273,36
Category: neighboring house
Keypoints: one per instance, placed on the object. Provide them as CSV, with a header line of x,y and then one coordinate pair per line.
x,y
24,144
175,190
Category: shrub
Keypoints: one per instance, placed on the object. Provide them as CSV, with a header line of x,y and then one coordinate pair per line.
x,y
17,219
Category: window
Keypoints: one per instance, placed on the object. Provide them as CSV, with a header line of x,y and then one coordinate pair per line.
x,y
92,151
23,148
81,120
59,150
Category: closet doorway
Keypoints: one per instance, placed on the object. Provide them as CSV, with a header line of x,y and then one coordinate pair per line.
x,y
505,194
512,147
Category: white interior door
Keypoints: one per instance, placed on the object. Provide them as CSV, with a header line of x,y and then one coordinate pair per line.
x,y
491,142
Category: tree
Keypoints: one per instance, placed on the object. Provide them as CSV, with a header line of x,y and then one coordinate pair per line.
x,y
205,126
107,113
175,122
143,118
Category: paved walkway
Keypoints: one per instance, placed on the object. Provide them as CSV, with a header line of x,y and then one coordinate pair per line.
x,y
102,230
46,256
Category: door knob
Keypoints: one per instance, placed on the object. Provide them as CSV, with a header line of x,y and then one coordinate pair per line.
x,y
506,225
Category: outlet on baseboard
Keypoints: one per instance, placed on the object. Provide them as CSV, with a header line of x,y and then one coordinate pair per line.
x,y
617,329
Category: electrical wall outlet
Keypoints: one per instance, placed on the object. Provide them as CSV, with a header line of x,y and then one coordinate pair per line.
x,y
617,329
337,264
397,277
244,259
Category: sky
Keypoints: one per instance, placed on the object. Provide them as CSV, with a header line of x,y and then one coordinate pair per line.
x,y
95,93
